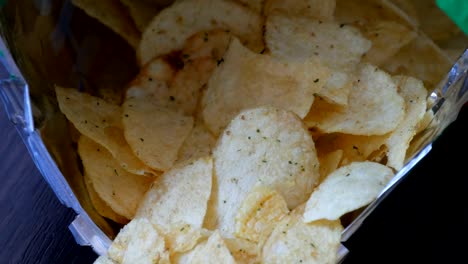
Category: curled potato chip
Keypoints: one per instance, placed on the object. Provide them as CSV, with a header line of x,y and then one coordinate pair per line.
x,y
100,121
155,126
212,44
199,143
263,146
121,190
374,107
329,162
246,80
169,30
320,9
294,241
180,195
381,34
347,189
337,88
138,242
112,14
100,205
259,213
212,251
141,12
182,237
413,92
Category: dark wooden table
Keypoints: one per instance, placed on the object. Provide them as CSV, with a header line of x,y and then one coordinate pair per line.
x,y
423,221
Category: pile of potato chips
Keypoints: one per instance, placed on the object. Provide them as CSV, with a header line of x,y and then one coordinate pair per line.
x,y
253,126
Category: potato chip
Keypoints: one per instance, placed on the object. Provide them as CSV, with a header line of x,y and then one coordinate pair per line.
x,y
294,241
381,34
421,59
409,8
256,5
320,9
182,237
212,44
243,251
180,195
337,88
104,260
169,30
329,162
121,190
154,126
346,189
258,214
141,12
138,242
374,107
263,146
212,251
112,14
100,206
100,120
247,80
414,94
199,143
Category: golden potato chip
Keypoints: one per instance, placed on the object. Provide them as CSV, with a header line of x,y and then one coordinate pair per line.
x,y
382,34
258,214
346,189
337,46
121,190
100,121
154,127
100,206
169,30
112,14
374,107
104,260
182,237
199,143
256,5
320,9
337,88
294,241
212,44
246,80
138,242
413,92
421,59
263,146
329,162
212,251
243,251
141,12
180,195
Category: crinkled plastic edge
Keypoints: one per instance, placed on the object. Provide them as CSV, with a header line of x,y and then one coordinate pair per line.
x,y
449,97
14,92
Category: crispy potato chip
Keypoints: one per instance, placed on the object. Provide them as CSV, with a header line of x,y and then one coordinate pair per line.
x,y
421,59
355,148
112,14
199,143
259,213
247,80
104,260
169,30
141,12
414,94
154,126
182,237
243,251
121,190
381,34
263,146
100,206
294,241
100,120
409,8
180,195
256,5
346,189
212,251
374,107
212,44
337,88
138,242
329,162
320,9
